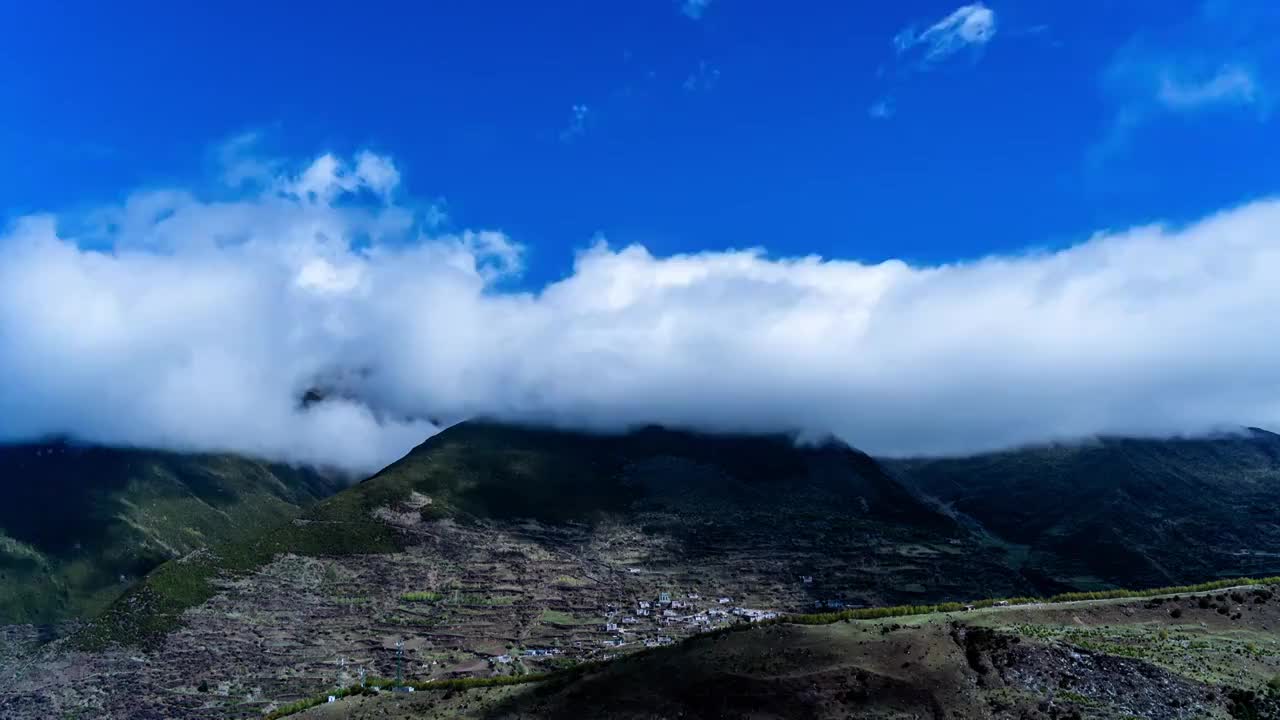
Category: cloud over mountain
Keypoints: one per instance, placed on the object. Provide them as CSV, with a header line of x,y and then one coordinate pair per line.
x,y
188,321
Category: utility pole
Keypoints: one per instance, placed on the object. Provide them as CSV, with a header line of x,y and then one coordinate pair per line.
x,y
399,663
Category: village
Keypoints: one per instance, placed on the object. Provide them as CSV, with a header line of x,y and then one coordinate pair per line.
x,y
477,598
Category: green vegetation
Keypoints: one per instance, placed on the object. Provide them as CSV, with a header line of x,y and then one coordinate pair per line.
x,y
424,596
151,609
909,610
556,617
70,546
1138,492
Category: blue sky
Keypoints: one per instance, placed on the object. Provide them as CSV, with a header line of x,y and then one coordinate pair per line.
x,y
981,225
724,124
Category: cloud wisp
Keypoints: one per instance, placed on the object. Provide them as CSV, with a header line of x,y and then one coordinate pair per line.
x,y
694,9
579,117
1219,60
1229,84
968,27
188,322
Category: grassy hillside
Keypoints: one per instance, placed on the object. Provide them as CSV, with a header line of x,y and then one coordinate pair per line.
x,y
79,524
1123,511
704,491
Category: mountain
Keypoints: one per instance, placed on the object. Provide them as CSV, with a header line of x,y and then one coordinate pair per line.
x,y
78,524
760,511
500,551
1122,511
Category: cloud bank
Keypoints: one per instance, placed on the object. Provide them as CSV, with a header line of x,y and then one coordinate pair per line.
x,y
185,321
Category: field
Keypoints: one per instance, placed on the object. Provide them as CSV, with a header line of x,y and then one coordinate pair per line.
x,y
1086,659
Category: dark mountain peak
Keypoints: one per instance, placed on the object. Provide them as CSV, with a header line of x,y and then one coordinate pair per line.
x,y
484,467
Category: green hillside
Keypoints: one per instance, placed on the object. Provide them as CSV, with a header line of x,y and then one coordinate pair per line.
x,y
80,524
710,494
1126,512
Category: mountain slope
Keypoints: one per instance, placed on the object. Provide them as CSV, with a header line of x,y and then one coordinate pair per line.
x,y
494,550
492,539
1127,512
78,523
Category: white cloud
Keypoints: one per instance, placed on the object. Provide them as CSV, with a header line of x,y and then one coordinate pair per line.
x,y
203,322
1218,58
694,9
328,177
1229,84
969,26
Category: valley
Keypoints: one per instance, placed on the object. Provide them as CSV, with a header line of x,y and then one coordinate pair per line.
x,y
497,551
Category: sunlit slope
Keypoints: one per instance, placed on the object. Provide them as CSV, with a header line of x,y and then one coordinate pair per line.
x,y
79,524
